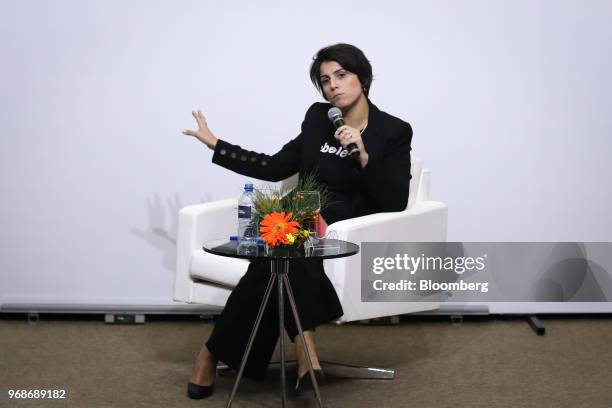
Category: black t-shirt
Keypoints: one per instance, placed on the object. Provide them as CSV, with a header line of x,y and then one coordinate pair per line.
x,y
339,173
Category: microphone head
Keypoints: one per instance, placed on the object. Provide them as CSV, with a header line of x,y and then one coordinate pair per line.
x,y
334,114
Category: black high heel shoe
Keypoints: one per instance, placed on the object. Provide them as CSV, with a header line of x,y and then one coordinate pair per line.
x,y
195,391
305,383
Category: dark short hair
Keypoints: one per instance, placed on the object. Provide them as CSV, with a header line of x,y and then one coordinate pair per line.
x,y
349,57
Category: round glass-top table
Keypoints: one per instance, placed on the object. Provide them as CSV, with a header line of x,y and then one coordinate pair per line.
x,y
280,260
322,249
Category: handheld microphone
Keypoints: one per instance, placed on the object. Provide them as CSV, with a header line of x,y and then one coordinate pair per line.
x,y
335,115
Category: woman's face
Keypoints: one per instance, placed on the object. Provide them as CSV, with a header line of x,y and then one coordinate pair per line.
x,y
341,87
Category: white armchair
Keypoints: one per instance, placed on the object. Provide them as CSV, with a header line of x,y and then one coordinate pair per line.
x,y
208,279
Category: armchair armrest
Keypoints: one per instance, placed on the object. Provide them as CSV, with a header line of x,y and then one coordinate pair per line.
x,y
424,222
197,224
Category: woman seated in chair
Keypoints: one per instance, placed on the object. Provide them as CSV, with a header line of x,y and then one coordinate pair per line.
x,y
374,180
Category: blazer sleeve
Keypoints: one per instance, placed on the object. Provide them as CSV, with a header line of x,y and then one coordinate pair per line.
x,y
386,180
276,167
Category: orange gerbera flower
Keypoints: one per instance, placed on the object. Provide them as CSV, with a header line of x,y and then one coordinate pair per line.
x,y
275,227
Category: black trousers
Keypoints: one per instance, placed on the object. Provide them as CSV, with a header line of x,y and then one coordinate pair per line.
x,y
315,297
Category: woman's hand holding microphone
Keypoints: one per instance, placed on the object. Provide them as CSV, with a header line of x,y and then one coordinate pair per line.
x,y
345,135
203,134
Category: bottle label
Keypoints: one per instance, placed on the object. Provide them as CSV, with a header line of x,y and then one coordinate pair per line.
x,y
244,211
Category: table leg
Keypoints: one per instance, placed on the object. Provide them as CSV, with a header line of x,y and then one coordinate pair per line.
x,y
262,307
301,333
281,272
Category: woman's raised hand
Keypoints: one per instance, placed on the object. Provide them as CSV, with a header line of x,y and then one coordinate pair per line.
x,y
203,134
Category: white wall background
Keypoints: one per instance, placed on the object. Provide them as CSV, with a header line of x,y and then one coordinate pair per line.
x,y
509,101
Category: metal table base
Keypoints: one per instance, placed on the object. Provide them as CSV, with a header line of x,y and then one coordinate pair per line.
x,y
279,271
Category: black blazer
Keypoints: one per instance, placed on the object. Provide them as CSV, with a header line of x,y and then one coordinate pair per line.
x,y
382,186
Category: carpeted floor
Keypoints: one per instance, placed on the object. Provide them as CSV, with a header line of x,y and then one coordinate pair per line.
x,y
480,363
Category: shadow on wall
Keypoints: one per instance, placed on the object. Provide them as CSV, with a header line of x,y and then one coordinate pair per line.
x,y
161,232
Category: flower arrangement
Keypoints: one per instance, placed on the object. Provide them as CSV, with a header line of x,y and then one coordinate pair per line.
x,y
275,229
288,217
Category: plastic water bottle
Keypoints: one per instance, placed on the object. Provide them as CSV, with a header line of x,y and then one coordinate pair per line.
x,y
248,230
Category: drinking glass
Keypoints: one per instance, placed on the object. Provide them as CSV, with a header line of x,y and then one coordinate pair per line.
x,y
310,204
